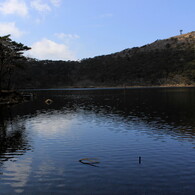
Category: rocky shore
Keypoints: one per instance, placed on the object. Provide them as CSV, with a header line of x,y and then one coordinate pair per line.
x,y
11,97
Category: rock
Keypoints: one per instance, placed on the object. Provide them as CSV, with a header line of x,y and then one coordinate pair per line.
x,y
48,101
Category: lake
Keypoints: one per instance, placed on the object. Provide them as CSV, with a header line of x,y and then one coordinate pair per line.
x,y
142,139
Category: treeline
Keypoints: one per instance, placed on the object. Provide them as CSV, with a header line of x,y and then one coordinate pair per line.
x,y
164,62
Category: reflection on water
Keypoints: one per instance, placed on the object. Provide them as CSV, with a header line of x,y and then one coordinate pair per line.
x,y
41,144
12,139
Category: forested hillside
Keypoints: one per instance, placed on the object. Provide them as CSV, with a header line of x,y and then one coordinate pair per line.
x,y
163,62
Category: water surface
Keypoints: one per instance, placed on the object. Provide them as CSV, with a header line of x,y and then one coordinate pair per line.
x,y
144,140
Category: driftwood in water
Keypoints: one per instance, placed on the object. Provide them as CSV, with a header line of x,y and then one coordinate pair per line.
x,y
89,161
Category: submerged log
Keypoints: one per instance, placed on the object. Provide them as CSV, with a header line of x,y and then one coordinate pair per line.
x,y
89,161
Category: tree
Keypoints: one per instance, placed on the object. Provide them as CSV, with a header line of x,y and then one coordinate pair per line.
x,y
11,56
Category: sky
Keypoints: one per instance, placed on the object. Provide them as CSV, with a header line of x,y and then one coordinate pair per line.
x,y
78,29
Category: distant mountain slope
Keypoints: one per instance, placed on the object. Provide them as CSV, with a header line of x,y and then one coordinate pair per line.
x,y
164,62
176,42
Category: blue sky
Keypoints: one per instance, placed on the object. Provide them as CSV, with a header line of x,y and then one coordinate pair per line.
x,y
77,29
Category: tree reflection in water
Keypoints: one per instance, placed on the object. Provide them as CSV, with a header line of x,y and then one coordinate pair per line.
x,y
171,110
112,125
13,139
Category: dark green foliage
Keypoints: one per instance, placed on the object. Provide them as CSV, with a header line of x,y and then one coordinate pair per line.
x,y
11,56
164,62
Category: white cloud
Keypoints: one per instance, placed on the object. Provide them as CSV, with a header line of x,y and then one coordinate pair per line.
x,y
14,7
63,36
106,15
10,28
38,20
40,6
56,2
47,49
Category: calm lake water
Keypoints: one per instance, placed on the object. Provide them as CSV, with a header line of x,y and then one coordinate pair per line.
x,y
144,140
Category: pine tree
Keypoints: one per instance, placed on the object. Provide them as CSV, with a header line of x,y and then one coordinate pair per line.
x,y
11,56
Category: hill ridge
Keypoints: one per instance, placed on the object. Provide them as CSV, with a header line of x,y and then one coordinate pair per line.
x,y
171,42
164,62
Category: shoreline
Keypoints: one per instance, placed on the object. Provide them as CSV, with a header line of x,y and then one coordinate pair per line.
x,y
11,97
106,87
